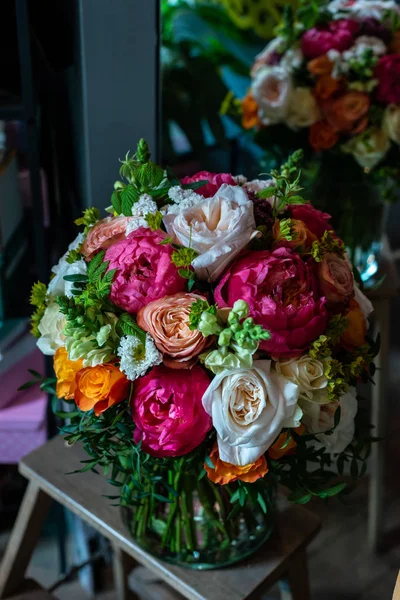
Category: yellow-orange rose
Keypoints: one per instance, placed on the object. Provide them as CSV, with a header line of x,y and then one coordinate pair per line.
x,y
281,448
66,371
322,65
301,235
348,113
326,86
250,117
322,136
354,336
224,473
100,388
167,321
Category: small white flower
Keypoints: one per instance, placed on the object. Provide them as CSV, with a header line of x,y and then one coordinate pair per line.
x,y
140,209
136,357
182,199
361,45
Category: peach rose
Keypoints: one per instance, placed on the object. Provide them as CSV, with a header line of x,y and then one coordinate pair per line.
x,y
250,112
66,371
354,336
336,280
100,387
103,235
281,448
326,86
348,113
167,321
322,136
322,65
224,472
302,236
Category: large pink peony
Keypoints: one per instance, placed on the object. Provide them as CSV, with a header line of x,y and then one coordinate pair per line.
x,y
282,293
168,412
387,72
335,35
144,270
215,180
315,220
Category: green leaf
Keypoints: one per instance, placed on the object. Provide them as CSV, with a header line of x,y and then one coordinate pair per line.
x,y
185,273
129,196
209,462
267,192
166,241
116,202
261,502
195,185
162,498
95,264
295,200
354,469
149,176
334,490
336,417
35,373
27,385
235,497
76,278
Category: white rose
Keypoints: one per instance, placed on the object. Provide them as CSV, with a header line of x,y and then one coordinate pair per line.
x,y
275,46
51,329
256,185
271,89
391,122
319,418
58,286
308,374
249,408
369,147
217,229
303,109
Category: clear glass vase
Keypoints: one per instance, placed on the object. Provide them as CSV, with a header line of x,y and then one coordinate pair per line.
x,y
198,528
346,192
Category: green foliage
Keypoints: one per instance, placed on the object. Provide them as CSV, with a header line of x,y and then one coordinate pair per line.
x,y
128,326
154,221
328,243
37,299
90,217
287,188
197,309
183,257
74,255
324,345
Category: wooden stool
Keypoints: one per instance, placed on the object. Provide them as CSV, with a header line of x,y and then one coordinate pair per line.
x,y
83,494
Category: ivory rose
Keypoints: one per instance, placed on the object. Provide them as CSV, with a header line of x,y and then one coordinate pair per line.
x,y
58,286
167,321
308,374
249,408
217,229
391,122
224,473
368,148
100,387
51,329
65,371
335,280
271,89
167,410
303,109
103,234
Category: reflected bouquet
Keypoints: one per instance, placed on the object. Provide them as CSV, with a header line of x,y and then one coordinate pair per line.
x,y
207,337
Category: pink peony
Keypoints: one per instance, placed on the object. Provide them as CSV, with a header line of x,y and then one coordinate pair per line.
x,y
336,35
102,235
282,293
215,180
168,412
144,270
315,220
387,72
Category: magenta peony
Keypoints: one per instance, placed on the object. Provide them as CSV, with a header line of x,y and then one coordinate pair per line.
x,y
387,72
215,180
144,270
168,412
335,35
282,293
315,220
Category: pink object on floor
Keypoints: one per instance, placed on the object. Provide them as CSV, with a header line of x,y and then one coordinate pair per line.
x,y
18,374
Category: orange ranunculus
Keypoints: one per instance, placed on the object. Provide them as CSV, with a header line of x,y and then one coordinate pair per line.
x,y
276,451
322,136
302,236
394,45
326,86
250,112
65,371
100,387
322,65
348,112
354,336
224,473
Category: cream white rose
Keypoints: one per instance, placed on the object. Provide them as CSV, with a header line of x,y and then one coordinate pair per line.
x,y
391,122
369,147
275,46
249,408
217,229
308,374
58,286
51,329
303,109
272,89
319,418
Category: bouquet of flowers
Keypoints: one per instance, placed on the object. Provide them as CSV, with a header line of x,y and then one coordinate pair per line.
x,y
207,337
334,72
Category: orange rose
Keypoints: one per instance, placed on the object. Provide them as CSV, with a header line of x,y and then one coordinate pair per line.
x,y
277,450
354,336
302,236
250,112
326,86
100,388
167,321
224,473
320,66
336,281
322,136
65,371
395,43
348,113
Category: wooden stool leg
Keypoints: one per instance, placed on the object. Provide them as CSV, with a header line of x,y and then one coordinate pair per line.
x,y
122,564
23,538
297,575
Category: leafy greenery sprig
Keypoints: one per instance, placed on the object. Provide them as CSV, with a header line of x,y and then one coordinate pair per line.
x,y
39,301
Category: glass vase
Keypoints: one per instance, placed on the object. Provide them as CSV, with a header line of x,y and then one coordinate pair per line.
x,y
345,191
199,527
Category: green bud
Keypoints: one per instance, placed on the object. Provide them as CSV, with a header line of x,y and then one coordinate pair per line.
x,y
235,327
248,323
103,335
241,308
208,324
233,318
225,337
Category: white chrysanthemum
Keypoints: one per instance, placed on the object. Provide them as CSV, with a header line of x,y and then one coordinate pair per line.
x,y
136,357
363,44
182,199
140,209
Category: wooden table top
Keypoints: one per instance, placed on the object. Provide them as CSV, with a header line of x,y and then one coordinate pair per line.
x,y
84,494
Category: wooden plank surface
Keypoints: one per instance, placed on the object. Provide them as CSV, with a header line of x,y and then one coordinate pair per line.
x,y
83,495
30,590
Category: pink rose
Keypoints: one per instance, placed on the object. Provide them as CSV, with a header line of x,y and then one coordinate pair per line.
x,y
336,281
336,35
215,180
387,72
315,220
144,270
282,293
102,235
168,412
